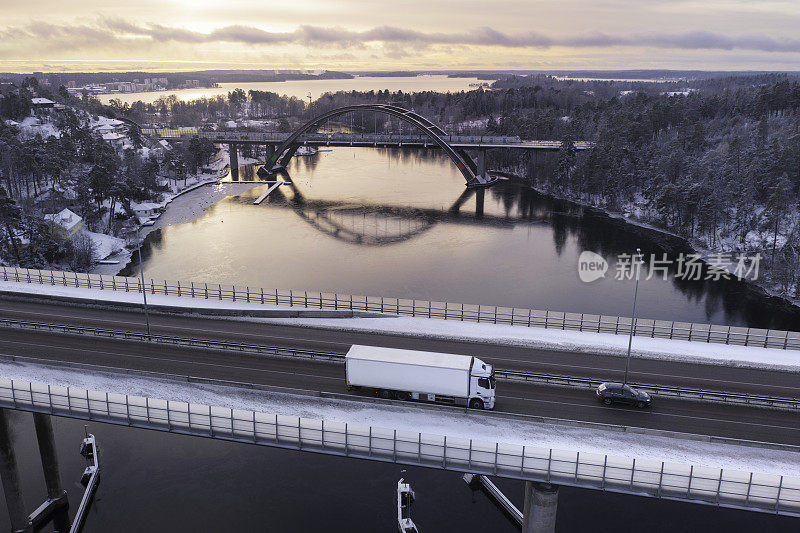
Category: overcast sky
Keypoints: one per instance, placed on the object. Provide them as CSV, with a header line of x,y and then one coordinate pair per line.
x,y
401,34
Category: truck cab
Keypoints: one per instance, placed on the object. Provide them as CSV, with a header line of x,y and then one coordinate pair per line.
x,y
482,385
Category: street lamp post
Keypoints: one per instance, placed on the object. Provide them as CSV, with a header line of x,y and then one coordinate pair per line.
x,y
633,316
144,291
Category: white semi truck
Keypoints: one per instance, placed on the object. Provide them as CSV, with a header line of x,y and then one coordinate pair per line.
x,y
427,376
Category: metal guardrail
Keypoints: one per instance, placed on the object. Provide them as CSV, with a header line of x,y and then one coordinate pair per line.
x,y
662,329
188,342
744,490
314,355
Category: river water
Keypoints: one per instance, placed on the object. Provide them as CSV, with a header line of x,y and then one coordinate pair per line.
x,y
301,88
398,223
379,222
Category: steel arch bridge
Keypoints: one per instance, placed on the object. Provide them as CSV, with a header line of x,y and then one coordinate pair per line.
x,y
468,168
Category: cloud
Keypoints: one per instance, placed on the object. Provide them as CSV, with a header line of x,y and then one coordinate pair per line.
x,y
112,33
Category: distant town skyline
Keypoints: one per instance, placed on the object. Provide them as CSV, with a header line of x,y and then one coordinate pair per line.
x,y
166,35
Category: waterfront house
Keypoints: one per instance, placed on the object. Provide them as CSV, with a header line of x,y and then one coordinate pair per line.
x,y
146,209
65,222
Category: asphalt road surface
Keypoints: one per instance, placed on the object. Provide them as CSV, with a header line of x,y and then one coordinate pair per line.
x,y
551,401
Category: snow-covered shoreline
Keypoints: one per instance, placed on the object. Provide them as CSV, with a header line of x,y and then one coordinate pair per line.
x,y
692,246
182,209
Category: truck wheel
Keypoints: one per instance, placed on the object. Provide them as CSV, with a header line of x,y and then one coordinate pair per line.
x,y
385,394
476,403
401,395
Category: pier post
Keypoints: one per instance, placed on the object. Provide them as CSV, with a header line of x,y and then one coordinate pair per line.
x,y
482,174
233,151
479,199
269,152
47,451
541,504
9,475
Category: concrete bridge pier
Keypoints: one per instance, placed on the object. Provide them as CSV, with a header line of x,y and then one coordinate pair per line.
x,y
233,150
9,474
541,504
482,165
269,152
482,177
47,451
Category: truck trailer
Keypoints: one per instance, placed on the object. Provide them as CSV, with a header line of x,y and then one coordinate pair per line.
x,y
415,375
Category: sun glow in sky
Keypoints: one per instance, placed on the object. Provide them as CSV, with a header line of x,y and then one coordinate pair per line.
x,y
395,35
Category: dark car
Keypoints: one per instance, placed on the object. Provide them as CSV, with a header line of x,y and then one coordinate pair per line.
x,y
610,393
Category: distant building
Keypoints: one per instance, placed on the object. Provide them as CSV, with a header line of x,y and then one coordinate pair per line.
x,y
65,222
42,103
41,106
117,140
111,126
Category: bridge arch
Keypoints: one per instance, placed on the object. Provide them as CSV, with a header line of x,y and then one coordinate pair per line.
x,y
284,152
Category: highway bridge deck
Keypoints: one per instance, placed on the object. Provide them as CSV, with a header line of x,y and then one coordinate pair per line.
x,y
553,401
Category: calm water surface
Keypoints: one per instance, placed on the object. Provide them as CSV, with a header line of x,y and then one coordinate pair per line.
x,y
399,223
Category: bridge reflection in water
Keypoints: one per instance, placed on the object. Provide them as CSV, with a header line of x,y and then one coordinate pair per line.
x,y
380,225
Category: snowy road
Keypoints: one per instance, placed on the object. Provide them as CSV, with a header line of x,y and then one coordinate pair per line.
x,y
509,347
669,414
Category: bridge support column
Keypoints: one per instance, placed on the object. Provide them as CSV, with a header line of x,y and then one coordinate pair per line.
x,y
479,198
233,150
541,504
269,153
47,451
482,164
10,477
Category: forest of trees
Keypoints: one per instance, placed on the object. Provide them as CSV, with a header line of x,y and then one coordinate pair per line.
x,y
36,173
719,165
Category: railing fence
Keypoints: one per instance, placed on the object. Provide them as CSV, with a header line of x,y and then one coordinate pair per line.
x,y
755,491
663,329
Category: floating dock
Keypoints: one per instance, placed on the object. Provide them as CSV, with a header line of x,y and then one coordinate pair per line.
x,y
266,193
